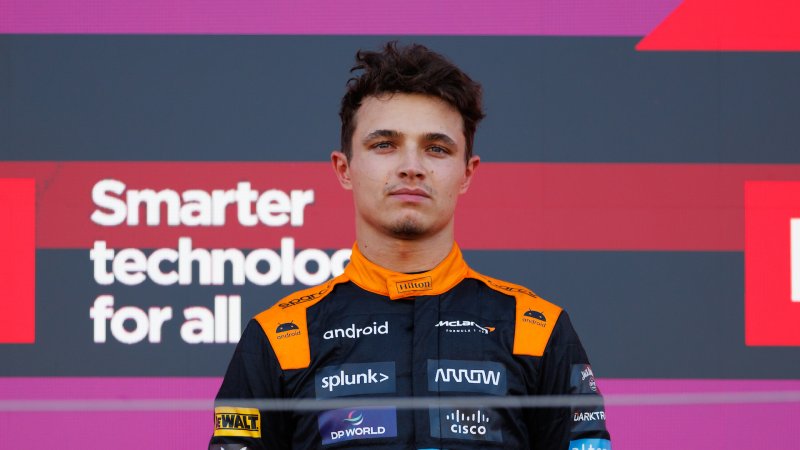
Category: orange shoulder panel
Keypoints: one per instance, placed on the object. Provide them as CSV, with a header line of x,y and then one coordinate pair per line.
x,y
535,317
286,326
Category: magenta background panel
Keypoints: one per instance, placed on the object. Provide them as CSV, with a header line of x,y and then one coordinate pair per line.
x,y
349,17
686,426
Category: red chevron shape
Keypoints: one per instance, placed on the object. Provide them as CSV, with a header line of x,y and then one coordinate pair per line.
x,y
729,25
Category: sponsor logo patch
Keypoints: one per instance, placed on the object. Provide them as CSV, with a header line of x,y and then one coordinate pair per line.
x,y
354,332
486,377
582,379
240,422
588,419
463,326
340,425
305,298
468,424
287,329
417,284
534,317
590,444
355,379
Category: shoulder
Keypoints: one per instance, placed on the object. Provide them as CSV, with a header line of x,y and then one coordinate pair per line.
x,y
536,317
286,327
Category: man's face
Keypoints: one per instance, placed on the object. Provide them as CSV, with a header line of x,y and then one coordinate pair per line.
x,y
407,166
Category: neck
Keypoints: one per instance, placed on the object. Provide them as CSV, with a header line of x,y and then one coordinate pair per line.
x,y
405,255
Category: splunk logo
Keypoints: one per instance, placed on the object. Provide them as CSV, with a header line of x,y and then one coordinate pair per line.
x,y
287,329
472,424
353,332
446,375
355,379
340,425
463,326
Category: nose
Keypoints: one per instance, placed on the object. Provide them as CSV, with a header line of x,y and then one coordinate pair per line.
x,y
411,164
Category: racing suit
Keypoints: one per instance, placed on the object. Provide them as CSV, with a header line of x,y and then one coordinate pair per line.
x,y
372,333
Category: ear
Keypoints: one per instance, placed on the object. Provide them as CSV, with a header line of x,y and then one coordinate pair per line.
x,y
472,166
342,169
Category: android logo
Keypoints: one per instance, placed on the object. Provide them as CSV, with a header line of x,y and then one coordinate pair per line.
x,y
535,315
288,326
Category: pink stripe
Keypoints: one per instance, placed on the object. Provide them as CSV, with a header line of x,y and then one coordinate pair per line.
x,y
652,427
345,17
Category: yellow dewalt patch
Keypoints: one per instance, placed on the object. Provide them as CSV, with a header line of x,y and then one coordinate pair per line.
x,y
239,422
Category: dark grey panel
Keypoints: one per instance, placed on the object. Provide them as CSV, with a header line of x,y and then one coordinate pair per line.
x,y
639,314
650,314
551,99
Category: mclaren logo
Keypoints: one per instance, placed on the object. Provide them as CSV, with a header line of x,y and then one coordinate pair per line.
x,y
463,326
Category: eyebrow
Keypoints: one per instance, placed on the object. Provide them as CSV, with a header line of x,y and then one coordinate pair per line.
x,y
393,134
382,134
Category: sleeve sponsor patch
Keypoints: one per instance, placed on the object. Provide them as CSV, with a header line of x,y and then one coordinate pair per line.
x,y
582,380
590,444
239,422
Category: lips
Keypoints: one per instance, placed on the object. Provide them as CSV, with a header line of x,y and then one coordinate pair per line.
x,y
412,192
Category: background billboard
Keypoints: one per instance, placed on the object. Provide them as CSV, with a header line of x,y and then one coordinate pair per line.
x,y
163,178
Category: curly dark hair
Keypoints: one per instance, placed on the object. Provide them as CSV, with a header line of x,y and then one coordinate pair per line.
x,y
413,69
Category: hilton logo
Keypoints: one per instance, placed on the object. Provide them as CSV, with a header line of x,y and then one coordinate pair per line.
x,y
417,284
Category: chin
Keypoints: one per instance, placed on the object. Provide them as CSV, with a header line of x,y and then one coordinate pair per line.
x,y
407,229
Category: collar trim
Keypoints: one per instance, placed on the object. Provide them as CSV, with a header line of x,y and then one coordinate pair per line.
x,y
396,285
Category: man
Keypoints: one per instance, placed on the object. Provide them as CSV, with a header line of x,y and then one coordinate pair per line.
x,y
408,318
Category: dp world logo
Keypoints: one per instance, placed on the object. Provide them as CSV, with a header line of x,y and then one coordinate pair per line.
x,y
340,425
354,418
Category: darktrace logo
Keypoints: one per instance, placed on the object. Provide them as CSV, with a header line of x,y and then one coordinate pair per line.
x,y
447,375
353,332
417,284
471,424
588,416
355,379
463,326
534,317
287,329
340,425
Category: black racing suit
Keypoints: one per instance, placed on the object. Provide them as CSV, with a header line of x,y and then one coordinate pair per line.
x,y
372,333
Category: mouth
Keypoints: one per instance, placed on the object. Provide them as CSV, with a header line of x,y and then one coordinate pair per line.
x,y
410,194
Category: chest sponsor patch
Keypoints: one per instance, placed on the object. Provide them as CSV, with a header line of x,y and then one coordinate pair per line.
x,y
448,375
467,424
239,422
355,379
341,425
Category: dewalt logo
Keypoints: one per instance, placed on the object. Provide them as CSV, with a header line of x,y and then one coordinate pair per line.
x,y
241,422
417,284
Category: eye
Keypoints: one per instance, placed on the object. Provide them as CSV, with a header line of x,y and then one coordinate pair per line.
x,y
383,145
438,150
